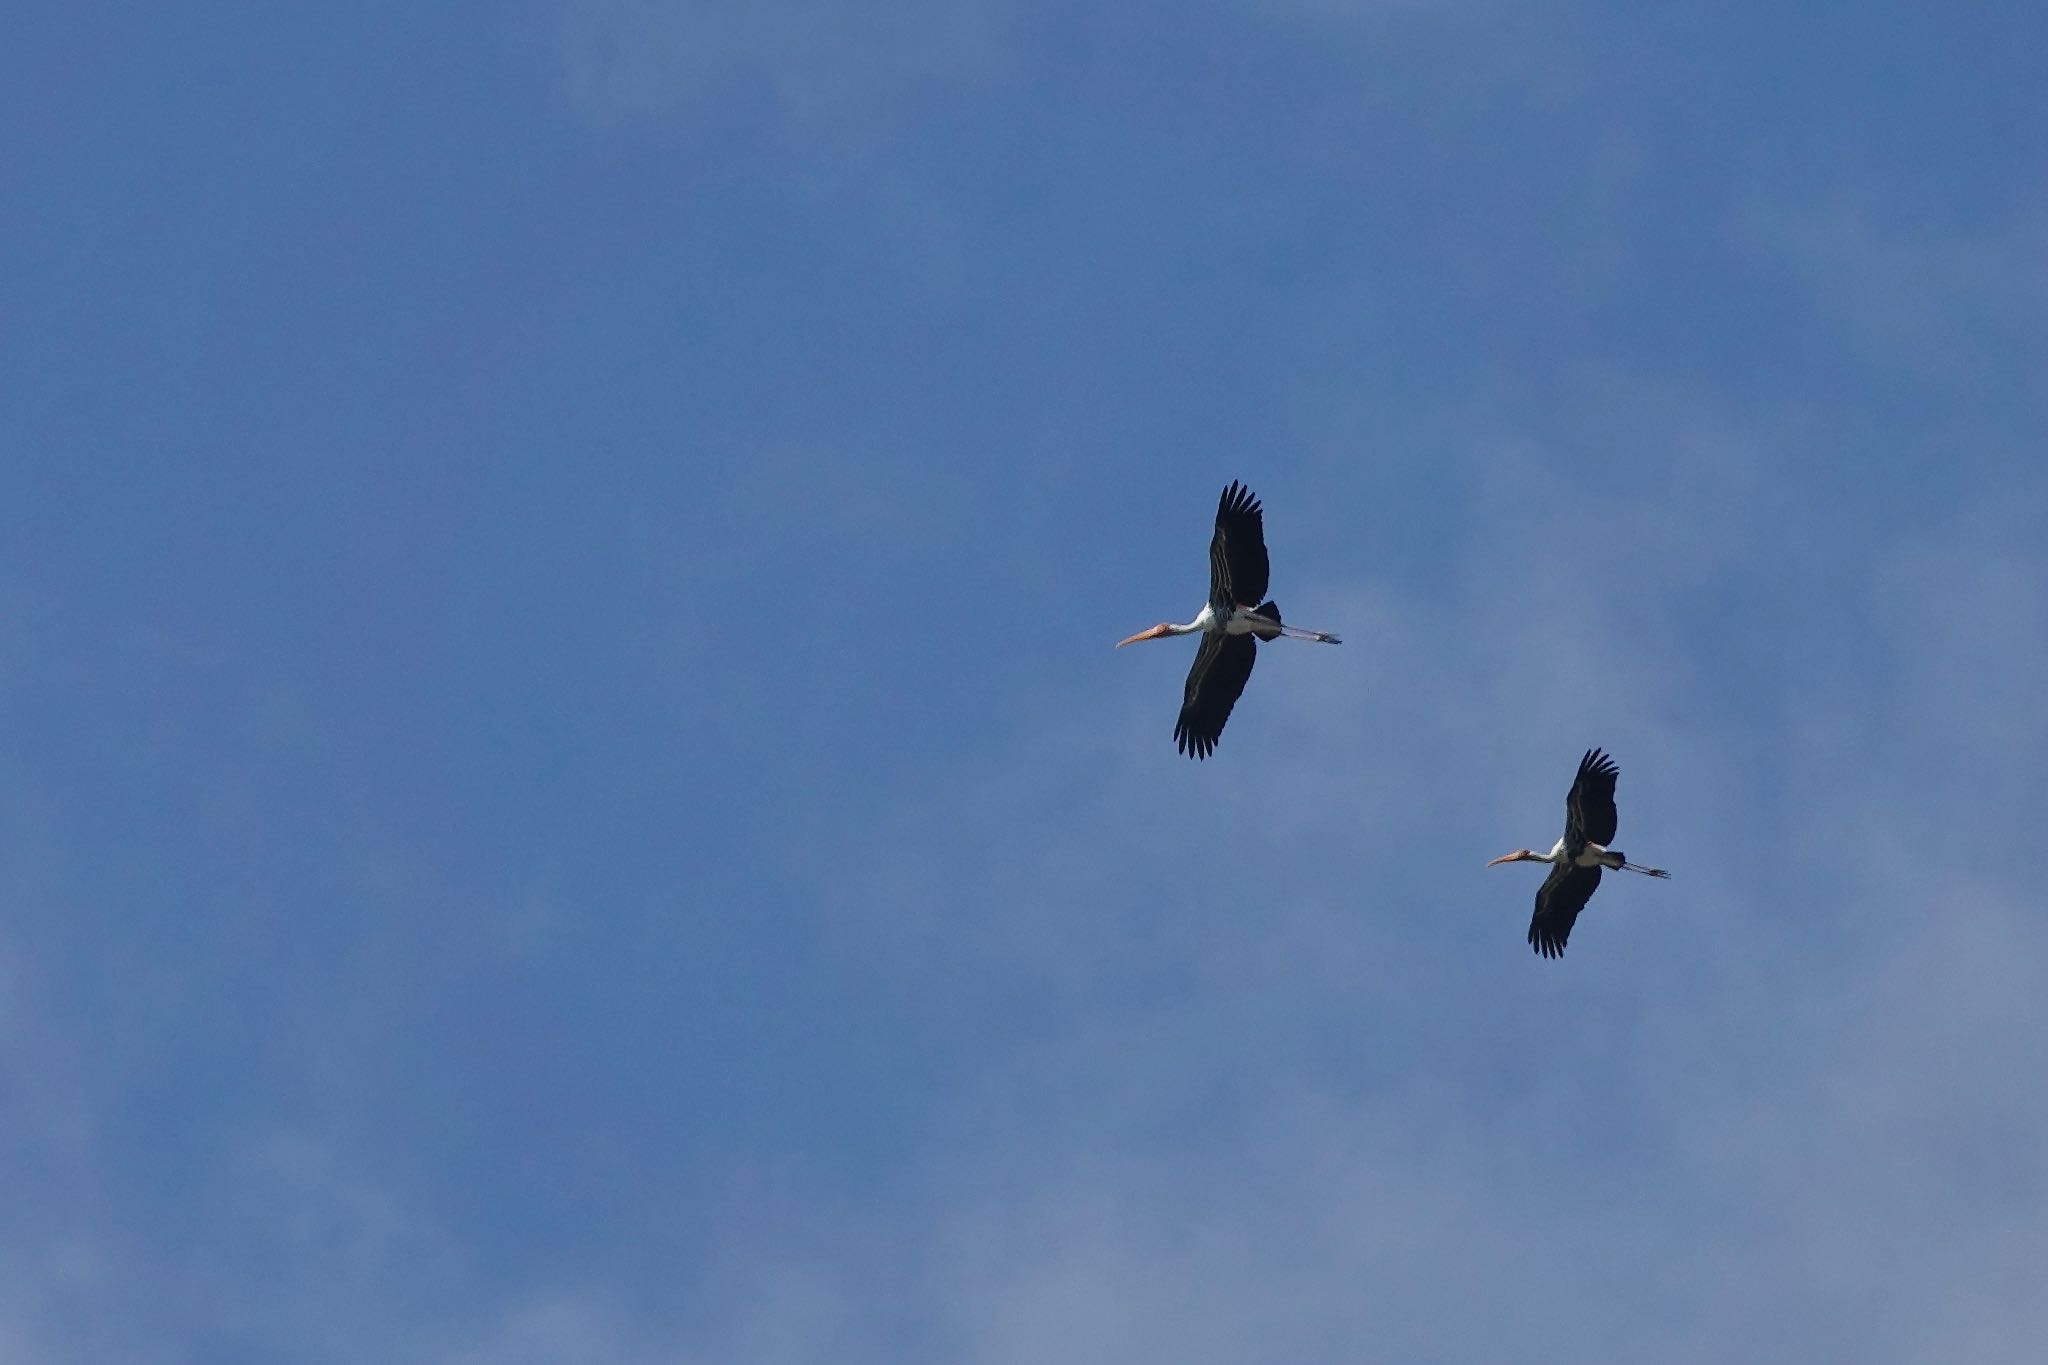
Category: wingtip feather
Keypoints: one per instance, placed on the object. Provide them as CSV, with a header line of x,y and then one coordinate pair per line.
x,y
1238,501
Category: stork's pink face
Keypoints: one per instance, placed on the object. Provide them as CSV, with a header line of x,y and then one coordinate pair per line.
x,y
1163,628
1520,855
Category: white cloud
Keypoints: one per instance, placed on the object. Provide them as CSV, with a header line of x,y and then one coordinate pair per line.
x,y
1935,304
1330,1105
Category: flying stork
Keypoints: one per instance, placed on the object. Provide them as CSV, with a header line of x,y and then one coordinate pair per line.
x,y
1228,624
1576,860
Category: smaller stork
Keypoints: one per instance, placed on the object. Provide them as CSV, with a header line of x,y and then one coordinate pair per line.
x,y
1576,859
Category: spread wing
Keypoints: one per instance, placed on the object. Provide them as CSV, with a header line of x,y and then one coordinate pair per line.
x,y
1222,666
1558,901
1589,807
1238,567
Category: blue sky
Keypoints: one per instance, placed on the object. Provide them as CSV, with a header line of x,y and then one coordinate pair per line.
x,y
564,792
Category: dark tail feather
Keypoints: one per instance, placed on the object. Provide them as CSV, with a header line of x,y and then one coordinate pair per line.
x,y
1271,611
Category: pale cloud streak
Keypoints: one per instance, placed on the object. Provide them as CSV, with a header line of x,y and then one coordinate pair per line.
x,y
1939,305
840,70
815,62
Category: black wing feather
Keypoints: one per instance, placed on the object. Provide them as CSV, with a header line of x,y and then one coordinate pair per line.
x,y
1238,566
1222,666
1558,901
1589,815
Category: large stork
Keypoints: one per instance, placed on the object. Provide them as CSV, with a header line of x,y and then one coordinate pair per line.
x,y
1576,860
1228,625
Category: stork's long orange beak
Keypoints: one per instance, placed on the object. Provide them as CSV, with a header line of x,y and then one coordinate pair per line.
x,y
1154,633
1517,856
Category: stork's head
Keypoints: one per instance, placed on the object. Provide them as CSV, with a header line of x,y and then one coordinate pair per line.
x,y
1520,855
1164,628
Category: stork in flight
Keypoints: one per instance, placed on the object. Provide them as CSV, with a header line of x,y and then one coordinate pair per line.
x,y
1238,569
1576,860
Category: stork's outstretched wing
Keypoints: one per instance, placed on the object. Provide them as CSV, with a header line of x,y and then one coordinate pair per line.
x,y
1238,566
1558,901
1589,807
1222,666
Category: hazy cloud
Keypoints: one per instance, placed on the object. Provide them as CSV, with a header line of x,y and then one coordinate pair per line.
x,y
812,61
